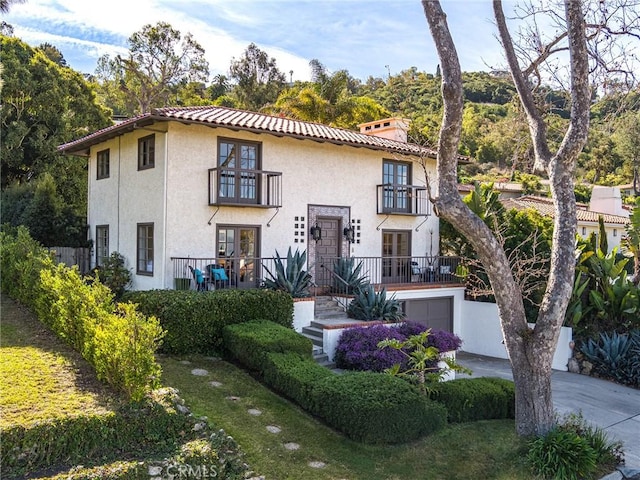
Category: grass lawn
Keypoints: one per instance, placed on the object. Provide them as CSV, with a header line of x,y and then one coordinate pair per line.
x,y
40,377
480,450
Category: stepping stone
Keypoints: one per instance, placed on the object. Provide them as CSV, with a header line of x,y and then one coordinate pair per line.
x,y
213,359
273,429
291,446
199,372
185,362
215,384
317,464
254,411
232,398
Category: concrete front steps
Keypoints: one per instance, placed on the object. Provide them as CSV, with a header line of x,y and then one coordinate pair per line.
x,y
327,312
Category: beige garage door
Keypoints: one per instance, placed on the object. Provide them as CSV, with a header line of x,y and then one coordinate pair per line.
x,y
436,313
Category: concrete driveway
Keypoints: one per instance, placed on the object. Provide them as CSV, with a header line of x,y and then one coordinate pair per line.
x,y
610,406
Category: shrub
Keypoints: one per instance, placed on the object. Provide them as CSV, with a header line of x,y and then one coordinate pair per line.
x,y
117,341
250,342
562,455
615,356
471,399
369,305
357,349
193,321
114,274
294,376
376,408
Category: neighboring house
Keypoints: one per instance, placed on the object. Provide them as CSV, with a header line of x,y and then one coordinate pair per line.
x,y
605,203
196,186
506,189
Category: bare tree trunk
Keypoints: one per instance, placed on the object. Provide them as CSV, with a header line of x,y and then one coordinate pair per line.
x,y
530,350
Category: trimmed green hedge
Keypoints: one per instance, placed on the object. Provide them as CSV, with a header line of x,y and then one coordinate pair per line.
x,y
250,342
470,399
376,408
294,376
194,321
115,339
153,427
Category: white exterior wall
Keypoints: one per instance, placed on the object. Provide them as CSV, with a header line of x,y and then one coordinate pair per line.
x,y
614,232
313,173
481,333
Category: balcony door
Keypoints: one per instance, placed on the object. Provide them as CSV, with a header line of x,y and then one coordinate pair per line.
x,y
395,256
396,178
238,163
238,253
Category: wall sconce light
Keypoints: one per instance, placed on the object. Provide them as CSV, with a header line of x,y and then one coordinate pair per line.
x,y
349,234
316,233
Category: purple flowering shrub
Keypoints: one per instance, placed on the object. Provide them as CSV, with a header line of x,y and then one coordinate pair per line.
x,y
358,347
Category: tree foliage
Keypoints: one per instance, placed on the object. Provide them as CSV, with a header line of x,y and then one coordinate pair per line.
x,y
258,81
160,62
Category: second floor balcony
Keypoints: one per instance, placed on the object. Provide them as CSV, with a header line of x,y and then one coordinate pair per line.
x,y
245,188
400,199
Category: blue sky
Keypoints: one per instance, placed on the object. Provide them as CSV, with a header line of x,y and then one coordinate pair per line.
x,y
366,37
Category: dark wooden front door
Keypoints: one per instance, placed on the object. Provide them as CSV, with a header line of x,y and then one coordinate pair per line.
x,y
327,248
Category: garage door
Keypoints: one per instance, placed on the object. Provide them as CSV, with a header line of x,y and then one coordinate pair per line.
x,y
436,313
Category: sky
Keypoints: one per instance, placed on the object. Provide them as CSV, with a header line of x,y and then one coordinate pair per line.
x,y
366,37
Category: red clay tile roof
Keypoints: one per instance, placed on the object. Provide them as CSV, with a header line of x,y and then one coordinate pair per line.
x,y
248,121
545,207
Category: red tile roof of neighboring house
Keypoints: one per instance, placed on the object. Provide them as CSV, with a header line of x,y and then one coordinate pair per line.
x,y
247,121
545,207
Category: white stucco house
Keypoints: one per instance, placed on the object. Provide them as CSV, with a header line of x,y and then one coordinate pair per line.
x,y
197,186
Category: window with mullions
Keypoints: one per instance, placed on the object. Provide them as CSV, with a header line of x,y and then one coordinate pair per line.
x,y
144,261
396,177
146,152
103,164
238,163
102,244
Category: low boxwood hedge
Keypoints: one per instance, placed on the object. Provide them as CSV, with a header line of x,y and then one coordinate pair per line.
x,y
294,376
470,399
376,408
250,342
193,321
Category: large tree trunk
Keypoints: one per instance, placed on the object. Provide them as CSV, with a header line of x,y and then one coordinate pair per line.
x,y
530,350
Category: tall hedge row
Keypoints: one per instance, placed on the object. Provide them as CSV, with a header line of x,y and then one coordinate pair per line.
x,y
194,321
117,340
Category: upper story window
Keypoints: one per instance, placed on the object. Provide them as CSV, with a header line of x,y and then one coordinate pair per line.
x,y
396,179
145,249
146,152
238,171
103,164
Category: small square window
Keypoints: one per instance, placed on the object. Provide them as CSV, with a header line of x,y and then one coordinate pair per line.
x,y
615,232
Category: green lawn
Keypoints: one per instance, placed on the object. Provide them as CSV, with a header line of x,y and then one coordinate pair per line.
x,y
481,450
41,378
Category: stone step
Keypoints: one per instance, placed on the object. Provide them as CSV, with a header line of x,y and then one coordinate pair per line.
x,y
323,359
315,335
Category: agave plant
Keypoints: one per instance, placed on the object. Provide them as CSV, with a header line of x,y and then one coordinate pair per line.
x,y
350,275
369,305
290,276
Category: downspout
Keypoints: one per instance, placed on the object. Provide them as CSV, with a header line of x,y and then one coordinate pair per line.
x,y
164,208
118,196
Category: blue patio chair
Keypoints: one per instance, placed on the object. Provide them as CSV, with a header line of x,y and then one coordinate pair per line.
x,y
218,276
198,277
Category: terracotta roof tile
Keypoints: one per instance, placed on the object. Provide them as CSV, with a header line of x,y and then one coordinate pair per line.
x,y
545,207
250,121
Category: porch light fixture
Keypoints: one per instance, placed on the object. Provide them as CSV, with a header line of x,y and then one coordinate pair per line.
x,y
349,234
316,233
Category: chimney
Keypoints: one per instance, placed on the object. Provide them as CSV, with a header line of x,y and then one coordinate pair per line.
x,y
394,128
607,200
